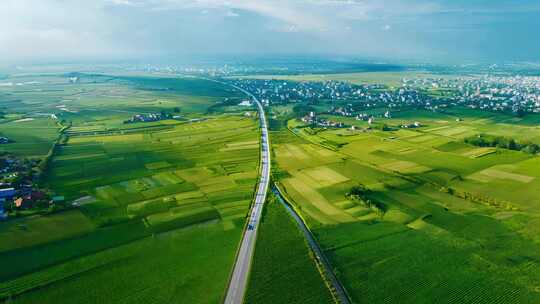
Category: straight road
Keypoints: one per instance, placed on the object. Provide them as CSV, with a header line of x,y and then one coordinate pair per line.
x,y
240,275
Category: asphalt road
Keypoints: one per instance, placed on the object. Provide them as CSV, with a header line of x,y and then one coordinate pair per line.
x,y
240,275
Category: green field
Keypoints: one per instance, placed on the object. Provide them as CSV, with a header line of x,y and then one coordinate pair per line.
x,y
284,270
192,265
459,223
31,137
158,207
390,79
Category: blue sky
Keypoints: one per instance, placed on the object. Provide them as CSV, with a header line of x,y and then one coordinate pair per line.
x,y
422,30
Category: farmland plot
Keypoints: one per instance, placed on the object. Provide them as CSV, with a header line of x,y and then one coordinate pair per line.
x,y
458,223
176,180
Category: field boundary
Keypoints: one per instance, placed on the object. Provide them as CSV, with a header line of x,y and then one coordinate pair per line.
x,y
325,268
311,141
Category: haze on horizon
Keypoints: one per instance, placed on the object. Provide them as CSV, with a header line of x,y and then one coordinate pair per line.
x,y
437,30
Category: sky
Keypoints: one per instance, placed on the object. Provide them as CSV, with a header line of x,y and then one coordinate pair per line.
x,y
421,30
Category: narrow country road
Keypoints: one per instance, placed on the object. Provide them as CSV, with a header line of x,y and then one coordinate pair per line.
x,y
240,274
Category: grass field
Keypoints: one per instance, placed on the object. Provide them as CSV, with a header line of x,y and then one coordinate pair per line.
x,y
153,182
160,205
477,243
31,138
155,269
31,231
283,269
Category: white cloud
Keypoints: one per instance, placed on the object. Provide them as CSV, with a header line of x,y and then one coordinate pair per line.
x,y
121,2
67,29
232,14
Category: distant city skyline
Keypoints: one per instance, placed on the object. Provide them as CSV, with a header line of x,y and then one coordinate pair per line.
x,y
435,30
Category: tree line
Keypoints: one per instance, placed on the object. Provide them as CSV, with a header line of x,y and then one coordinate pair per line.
x,y
361,193
484,140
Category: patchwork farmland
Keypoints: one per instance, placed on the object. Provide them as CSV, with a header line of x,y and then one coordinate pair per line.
x,y
168,195
154,181
438,219
404,215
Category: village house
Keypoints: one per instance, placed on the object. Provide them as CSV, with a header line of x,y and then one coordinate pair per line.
x,y
245,103
413,125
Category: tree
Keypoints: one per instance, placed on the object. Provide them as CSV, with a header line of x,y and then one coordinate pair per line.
x,y
302,110
512,145
531,148
359,190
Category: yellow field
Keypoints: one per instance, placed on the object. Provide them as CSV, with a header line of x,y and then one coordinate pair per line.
x,y
453,131
194,174
110,138
422,138
296,151
325,176
492,173
405,167
479,152
309,196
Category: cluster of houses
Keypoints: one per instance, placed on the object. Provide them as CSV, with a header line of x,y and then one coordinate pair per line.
x,y
346,111
18,191
150,117
314,120
413,125
283,92
513,94
491,93
366,117
23,198
361,96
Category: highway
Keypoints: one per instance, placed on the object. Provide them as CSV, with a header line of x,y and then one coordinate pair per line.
x,y
240,274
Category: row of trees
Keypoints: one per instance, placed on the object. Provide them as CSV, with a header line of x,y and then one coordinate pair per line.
x,y
477,198
301,110
361,194
483,140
